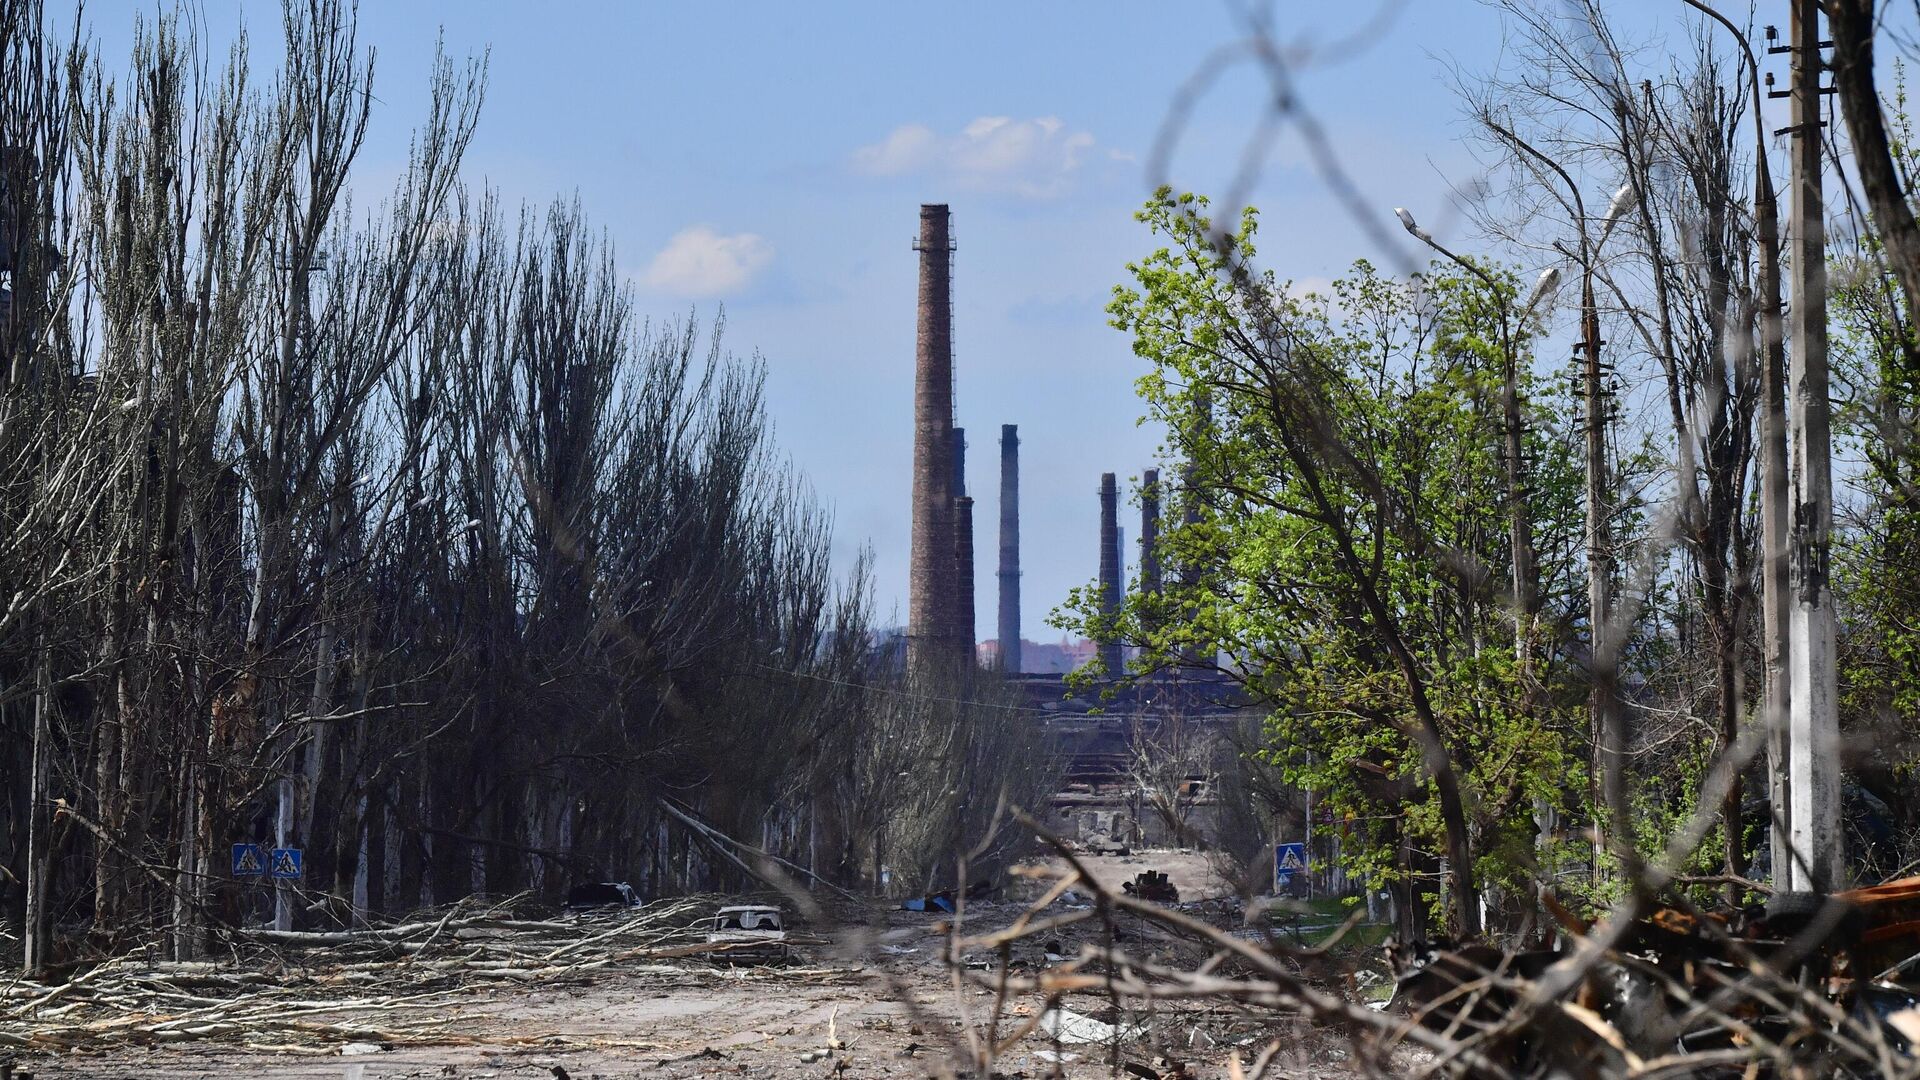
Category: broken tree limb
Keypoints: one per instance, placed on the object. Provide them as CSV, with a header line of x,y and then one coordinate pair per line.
x,y
721,840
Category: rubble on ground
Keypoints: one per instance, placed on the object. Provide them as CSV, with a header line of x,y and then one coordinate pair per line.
x,y
1726,983
1152,885
370,986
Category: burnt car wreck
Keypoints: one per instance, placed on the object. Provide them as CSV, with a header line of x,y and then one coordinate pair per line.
x,y
752,933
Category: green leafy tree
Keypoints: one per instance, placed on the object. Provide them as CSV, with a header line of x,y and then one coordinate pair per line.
x,y
1340,542
1878,408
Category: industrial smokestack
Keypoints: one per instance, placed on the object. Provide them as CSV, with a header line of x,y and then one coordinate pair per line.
x,y
962,546
1149,531
931,594
1009,629
963,571
1110,654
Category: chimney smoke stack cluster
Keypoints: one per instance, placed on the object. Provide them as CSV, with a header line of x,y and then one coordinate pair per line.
x,y
1111,589
941,613
941,602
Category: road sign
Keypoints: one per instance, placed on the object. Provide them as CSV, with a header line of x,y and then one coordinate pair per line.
x,y
249,860
1288,860
284,862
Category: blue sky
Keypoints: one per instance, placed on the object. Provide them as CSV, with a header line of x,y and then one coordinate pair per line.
x,y
770,157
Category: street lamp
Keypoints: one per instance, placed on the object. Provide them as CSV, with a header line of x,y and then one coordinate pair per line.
x,y
1425,237
1623,201
1525,577
1543,290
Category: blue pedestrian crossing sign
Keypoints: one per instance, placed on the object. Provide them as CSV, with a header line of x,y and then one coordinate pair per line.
x,y
1288,860
249,860
284,862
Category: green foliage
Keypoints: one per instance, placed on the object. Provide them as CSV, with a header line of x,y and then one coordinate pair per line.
x,y
1341,487
1874,365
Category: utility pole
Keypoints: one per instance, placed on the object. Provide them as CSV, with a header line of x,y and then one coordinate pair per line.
x,y
1814,728
1775,514
1607,744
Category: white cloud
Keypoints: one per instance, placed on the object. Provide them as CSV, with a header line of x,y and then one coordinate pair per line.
x,y
1303,287
910,148
699,263
1034,158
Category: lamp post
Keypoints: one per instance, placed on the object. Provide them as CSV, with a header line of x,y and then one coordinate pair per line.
x,y
1608,733
1525,571
1607,736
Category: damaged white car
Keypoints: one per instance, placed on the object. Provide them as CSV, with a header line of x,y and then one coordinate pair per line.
x,y
755,932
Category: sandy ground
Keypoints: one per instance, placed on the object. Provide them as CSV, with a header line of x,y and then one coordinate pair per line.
x,y
1192,872
877,1003
696,1022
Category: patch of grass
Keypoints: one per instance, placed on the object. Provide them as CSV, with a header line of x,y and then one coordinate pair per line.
x,y
1318,919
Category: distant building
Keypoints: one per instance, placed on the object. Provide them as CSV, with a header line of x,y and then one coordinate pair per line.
x,y
1039,658
1123,746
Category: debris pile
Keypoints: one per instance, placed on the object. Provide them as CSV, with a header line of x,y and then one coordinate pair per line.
x,y
1829,984
381,985
1152,885
947,899
1804,973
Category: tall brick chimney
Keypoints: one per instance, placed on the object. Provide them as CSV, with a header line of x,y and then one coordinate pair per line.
x,y
1111,654
931,593
1009,628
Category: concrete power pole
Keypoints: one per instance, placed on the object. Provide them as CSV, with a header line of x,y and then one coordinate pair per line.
x,y
1814,735
1775,514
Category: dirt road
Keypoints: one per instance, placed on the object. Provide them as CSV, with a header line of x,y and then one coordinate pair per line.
x,y
686,1022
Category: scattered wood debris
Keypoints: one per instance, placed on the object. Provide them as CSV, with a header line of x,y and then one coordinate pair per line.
x,y
385,986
